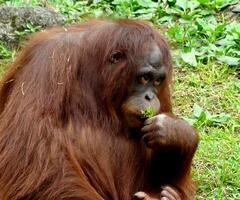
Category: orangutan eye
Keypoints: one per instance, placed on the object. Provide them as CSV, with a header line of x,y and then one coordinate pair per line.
x,y
116,57
158,81
144,79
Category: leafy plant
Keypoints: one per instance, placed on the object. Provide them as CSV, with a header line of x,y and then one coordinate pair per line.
x,y
5,52
148,112
204,118
29,28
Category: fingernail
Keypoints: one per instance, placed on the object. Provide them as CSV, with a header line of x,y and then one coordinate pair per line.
x,y
140,195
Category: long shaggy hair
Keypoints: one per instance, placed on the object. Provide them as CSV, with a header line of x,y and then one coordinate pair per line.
x,y
61,131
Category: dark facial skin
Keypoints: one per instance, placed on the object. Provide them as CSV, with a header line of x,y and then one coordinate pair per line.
x,y
143,92
168,137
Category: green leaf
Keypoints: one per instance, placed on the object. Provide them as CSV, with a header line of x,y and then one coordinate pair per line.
x,y
197,110
222,117
231,61
148,112
96,1
202,118
191,121
146,3
5,52
228,41
208,115
186,4
193,5
203,1
165,19
118,2
182,4
237,85
189,58
176,32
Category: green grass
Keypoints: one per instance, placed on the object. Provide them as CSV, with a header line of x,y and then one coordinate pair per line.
x,y
217,166
205,40
216,89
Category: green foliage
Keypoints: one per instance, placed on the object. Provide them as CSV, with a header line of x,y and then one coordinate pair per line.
x,y
73,10
29,28
23,2
5,52
204,118
209,98
217,166
148,112
197,27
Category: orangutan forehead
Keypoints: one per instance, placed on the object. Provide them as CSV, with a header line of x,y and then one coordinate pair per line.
x,y
154,54
151,55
